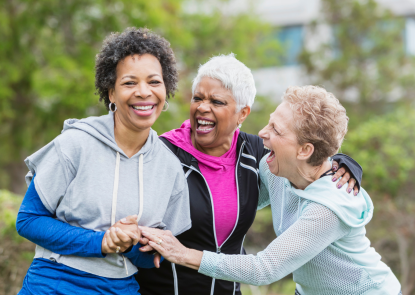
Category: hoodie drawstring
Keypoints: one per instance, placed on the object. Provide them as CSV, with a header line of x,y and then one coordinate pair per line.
x,y
115,193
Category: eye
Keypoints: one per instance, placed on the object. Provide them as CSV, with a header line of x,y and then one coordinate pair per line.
x,y
196,98
275,130
155,82
218,102
129,83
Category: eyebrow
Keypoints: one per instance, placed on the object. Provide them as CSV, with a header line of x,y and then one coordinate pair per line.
x,y
134,77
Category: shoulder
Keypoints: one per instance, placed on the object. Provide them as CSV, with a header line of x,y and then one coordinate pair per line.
x,y
253,143
171,160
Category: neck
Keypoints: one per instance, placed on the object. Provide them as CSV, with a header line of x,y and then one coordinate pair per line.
x,y
130,141
305,174
215,151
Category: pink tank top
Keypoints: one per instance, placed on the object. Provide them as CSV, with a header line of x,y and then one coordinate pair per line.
x,y
219,173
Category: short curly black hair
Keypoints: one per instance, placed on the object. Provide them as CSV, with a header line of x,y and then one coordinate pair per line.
x,y
132,41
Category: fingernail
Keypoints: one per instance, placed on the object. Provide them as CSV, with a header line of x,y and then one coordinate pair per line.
x,y
349,190
334,168
108,231
334,179
123,220
117,229
144,232
355,194
135,237
339,185
105,240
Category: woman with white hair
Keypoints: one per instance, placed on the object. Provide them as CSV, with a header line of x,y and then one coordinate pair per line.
x,y
321,230
221,166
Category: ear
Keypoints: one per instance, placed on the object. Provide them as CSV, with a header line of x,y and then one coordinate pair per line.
x,y
111,95
243,114
305,151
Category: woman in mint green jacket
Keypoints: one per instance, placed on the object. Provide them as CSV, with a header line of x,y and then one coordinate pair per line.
x,y
321,230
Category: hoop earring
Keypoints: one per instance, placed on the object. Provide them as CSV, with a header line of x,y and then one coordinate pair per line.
x,y
110,106
165,108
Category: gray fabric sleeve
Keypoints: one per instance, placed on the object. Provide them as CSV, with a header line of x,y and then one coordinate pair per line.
x,y
315,230
263,198
52,175
177,217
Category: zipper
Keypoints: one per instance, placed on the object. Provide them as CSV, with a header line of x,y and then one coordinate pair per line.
x,y
218,248
176,287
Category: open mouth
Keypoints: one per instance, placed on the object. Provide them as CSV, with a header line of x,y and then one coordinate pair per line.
x,y
205,126
144,110
271,156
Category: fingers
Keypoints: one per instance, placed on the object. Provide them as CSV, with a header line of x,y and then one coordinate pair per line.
x,y
158,248
134,238
143,241
104,246
146,248
111,246
151,237
338,174
334,166
132,219
345,176
351,184
123,236
356,190
114,237
157,258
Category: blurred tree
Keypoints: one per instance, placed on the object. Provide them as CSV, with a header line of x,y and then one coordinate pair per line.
x,y
47,62
385,147
357,51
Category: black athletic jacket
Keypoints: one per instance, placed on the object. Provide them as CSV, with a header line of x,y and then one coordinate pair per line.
x,y
174,279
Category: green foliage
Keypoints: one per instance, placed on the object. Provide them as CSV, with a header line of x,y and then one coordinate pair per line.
x,y
364,58
385,147
47,69
9,206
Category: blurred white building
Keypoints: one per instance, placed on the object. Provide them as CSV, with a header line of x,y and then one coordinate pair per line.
x,y
291,18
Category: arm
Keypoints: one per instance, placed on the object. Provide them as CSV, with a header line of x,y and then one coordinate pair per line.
x,y
317,228
36,223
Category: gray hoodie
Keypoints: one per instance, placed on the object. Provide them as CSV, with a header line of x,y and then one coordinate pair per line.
x,y
86,180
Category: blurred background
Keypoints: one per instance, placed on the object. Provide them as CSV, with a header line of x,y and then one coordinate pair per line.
x,y
361,50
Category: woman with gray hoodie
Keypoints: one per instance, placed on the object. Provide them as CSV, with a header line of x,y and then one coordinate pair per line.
x,y
101,169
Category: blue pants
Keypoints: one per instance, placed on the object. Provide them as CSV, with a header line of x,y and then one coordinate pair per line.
x,y
48,277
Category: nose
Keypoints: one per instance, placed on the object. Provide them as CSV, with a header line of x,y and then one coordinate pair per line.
x,y
203,107
142,90
263,133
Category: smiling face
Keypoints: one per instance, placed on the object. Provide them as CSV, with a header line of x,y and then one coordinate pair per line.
x,y
280,138
139,92
213,117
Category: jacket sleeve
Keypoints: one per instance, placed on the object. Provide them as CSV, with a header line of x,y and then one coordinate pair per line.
x,y
314,231
38,225
354,168
141,259
263,198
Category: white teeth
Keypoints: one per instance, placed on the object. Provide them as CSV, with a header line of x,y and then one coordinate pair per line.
x,y
208,129
267,148
143,108
203,122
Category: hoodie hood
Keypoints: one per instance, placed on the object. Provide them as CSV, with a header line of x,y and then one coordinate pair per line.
x,y
355,211
102,128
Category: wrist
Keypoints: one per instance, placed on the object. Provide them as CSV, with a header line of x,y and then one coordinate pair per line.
x,y
193,259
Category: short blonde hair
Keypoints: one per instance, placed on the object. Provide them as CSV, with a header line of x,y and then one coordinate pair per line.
x,y
319,119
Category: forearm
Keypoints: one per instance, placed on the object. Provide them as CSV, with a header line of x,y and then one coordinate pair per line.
x,y
59,237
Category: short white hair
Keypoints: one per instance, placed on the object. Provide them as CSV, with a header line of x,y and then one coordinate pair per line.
x,y
234,76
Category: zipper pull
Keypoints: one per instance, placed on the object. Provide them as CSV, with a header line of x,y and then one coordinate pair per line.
x,y
218,250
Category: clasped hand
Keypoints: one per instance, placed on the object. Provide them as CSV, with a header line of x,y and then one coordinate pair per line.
x,y
123,235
